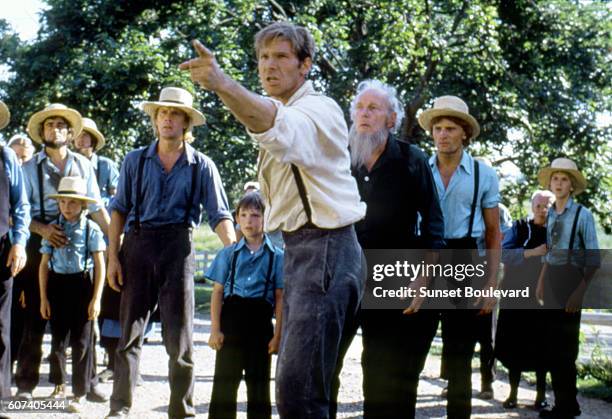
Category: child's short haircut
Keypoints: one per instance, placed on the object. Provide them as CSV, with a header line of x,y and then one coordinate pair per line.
x,y
251,200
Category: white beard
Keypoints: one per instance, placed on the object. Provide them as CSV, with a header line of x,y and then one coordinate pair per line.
x,y
363,145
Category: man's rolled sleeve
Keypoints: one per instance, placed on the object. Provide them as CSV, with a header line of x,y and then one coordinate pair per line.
x,y
215,199
490,197
96,239
20,206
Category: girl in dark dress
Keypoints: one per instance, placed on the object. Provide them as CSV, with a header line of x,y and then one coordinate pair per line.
x,y
520,325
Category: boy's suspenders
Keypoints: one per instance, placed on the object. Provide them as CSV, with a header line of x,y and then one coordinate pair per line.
x,y
573,234
268,274
194,176
86,252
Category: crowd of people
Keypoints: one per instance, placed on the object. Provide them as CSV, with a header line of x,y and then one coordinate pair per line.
x,y
69,219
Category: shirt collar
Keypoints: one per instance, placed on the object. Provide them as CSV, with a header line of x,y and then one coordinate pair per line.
x,y
151,152
568,206
266,242
466,162
42,155
304,90
94,160
80,222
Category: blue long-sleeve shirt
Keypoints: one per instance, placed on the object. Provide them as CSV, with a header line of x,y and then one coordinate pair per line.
x,y
165,195
20,206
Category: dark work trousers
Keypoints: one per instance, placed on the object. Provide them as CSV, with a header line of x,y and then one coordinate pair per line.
x,y
30,349
158,266
395,348
562,337
484,338
6,295
246,324
17,322
324,275
69,297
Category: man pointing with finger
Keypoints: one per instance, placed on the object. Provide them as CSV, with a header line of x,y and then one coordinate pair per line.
x,y
304,171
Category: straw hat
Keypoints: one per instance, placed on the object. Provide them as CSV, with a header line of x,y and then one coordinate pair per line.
x,y
449,106
72,187
54,109
91,128
5,115
175,97
20,138
562,164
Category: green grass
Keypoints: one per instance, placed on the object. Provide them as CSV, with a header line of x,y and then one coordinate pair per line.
x,y
206,240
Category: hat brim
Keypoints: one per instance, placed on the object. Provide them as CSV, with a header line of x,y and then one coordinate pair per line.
x,y
197,118
546,173
100,140
428,115
5,115
70,115
72,196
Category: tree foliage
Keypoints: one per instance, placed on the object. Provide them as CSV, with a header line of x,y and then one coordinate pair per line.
x,y
535,74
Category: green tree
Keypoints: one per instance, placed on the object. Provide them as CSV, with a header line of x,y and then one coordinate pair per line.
x,y
535,74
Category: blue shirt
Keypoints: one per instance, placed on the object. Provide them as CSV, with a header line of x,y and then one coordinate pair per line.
x,y
559,231
20,206
456,200
70,259
251,270
107,175
165,195
76,165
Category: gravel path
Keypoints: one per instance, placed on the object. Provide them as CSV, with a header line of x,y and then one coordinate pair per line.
x,y
151,399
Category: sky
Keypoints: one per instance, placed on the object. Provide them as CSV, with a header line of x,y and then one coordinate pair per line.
x,y
22,15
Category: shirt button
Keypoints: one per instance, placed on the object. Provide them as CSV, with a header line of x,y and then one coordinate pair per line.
x,y
367,178
249,278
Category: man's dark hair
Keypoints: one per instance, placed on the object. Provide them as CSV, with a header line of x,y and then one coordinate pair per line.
x,y
299,37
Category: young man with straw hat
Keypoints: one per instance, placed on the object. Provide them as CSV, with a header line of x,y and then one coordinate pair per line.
x,y
88,144
13,204
53,127
305,177
469,197
570,264
163,190
70,294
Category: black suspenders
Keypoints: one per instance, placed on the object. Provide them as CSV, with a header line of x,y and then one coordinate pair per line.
x,y
573,233
194,177
40,192
232,274
475,198
302,191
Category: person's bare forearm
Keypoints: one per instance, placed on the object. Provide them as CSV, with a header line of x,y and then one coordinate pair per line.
x,y
226,232
114,233
102,219
37,227
254,111
493,243
216,303
43,275
99,274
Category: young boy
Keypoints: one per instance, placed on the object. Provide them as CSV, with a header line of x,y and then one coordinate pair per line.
x,y
68,296
247,290
564,279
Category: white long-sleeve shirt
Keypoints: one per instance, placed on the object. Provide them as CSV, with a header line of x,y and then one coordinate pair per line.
x,y
310,132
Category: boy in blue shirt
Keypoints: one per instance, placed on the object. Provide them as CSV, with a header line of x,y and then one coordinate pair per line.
x,y
248,288
68,295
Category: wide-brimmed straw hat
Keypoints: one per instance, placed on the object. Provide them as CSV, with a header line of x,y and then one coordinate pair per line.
x,y
449,106
72,187
563,164
175,97
91,128
5,115
55,109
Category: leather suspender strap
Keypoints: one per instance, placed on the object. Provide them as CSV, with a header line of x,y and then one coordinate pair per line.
x,y
302,191
194,177
269,274
475,198
141,161
41,196
573,233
